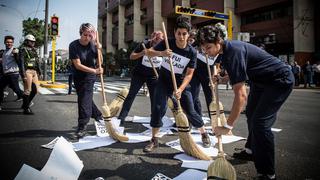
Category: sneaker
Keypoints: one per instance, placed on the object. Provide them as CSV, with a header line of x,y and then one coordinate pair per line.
x,y
27,111
205,140
152,145
81,132
243,155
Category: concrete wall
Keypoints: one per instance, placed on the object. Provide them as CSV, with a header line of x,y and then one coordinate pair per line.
x,y
121,41
138,28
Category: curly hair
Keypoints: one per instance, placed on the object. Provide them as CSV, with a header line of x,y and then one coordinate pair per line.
x,y
212,34
182,22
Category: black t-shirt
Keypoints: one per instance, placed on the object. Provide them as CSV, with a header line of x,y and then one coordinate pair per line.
x,y
244,61
181,60
143,66
87,55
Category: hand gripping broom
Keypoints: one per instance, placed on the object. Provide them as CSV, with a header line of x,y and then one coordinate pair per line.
x,y
186,141
105,109
213,104
220,168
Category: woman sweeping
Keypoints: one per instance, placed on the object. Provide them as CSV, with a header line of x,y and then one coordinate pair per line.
x,y
271,82
142,73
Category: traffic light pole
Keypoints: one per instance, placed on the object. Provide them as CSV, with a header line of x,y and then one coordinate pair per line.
x,y
45,49
53,59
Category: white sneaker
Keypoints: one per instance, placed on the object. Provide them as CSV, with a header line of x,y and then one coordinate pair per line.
x,y
31,104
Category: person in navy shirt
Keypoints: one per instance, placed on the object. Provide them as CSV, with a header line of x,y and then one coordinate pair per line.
x,y
83,54
184,58
271,82
142,73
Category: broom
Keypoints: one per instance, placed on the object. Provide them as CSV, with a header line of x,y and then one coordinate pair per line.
x,y
116,103
151,62
105,109
220,168
213,104
186,141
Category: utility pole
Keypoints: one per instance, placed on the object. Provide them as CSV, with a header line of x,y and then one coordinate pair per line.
x,y
45,49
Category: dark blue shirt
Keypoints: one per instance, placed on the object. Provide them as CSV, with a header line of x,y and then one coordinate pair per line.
x,y
188,53
140,68
244,61
87,55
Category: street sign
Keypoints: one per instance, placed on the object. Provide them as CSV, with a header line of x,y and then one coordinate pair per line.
x,y
201,13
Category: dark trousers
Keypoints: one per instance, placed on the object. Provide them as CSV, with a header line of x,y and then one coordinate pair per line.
x,y
162,92
202,79
11,80
70,77
86,107
264,102
137,82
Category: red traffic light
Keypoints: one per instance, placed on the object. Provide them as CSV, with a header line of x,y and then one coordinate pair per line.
x,y
54,20
54,26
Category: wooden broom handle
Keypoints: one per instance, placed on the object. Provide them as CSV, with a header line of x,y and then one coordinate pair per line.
x,y
173,77
151,62
220,148
210,77
99,65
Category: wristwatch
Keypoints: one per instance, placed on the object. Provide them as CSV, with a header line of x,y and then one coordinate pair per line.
x,y
227,126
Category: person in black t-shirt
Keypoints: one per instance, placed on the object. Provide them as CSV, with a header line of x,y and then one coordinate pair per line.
x,y
83,54
184,58
271,82
142,73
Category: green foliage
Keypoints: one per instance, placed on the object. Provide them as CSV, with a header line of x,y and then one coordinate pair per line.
x,y
36,28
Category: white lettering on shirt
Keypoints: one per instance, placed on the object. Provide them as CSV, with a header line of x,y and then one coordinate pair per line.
x,y
156,61
179,63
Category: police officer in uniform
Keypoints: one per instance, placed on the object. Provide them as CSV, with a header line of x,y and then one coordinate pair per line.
x,y
271,82
30,69
184,58
142,73
83,54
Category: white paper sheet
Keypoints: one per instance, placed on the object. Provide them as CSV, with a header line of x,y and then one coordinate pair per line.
x,y
101,128
191,162
63,162
30,173
175,144
167,122
51,144
276,129
91,142
191,174
137,138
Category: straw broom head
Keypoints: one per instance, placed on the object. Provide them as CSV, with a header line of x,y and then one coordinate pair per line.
x,y
213,114
221,168
117,103
112,132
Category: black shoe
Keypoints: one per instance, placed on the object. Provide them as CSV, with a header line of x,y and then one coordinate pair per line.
x,y
205,140
152,145
81,133
99,118
243,155
264,177
27,111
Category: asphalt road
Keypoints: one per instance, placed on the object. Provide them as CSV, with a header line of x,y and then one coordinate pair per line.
x,y
21,137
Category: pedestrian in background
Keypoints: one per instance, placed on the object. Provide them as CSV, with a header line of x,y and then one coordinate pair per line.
x,y
83,54
271,82
29,71
296,70
9,60
142,73
316,73
307,74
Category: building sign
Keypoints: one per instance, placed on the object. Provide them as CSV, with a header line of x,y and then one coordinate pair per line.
x,y
201,13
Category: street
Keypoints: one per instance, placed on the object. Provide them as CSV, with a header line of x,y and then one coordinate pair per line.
x,y
21,137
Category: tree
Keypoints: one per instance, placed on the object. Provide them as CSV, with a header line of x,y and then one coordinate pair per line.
x,y
36,28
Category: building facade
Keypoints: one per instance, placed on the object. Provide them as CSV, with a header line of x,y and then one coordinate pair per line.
x,y
287,28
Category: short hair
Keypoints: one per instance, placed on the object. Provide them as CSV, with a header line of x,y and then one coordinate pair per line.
x,y
86,27
212,34
8,37
183,23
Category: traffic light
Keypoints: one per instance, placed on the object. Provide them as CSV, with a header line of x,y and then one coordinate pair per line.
x,y
54,26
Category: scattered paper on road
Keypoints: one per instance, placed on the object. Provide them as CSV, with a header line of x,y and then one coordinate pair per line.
x,y
51,144
63,162
91,142
101,128
137,137
192,174
30,173
191,162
